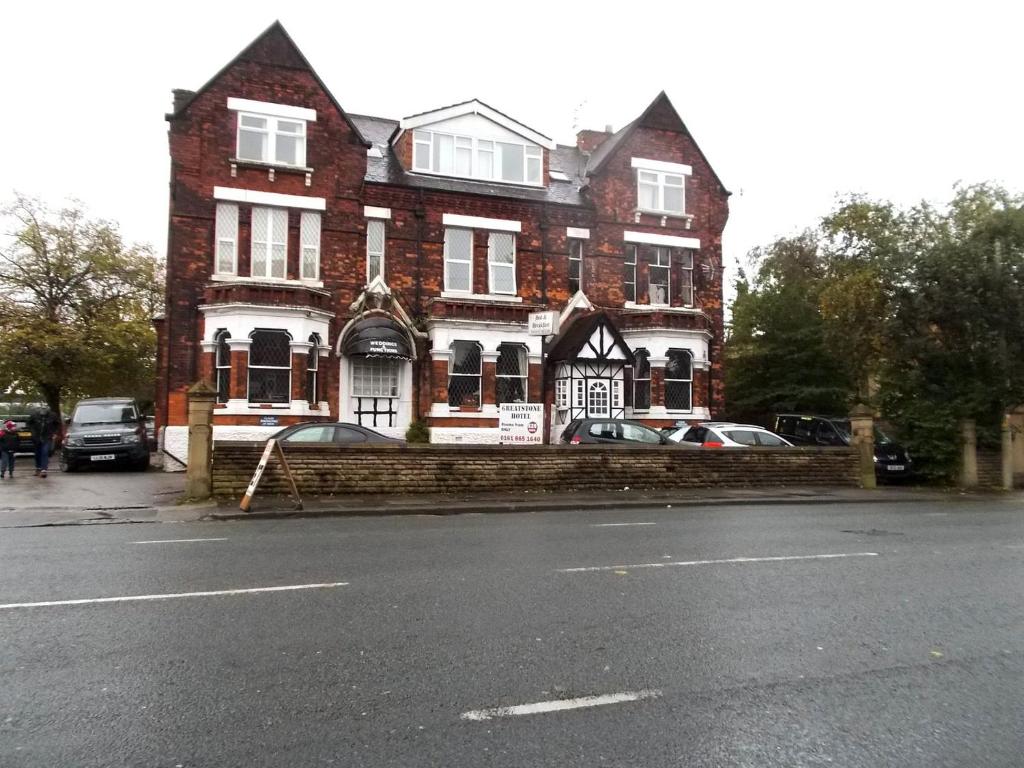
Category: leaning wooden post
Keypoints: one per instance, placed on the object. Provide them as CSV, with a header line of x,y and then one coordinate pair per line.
x,y
862,426
1006,454
199,474
968,474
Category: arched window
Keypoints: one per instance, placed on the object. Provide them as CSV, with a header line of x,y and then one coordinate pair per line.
x,y
270,367
679,380
642,381
511,372
464,372
223,365
312,369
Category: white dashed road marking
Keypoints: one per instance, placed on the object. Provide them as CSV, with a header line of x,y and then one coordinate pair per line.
x,y
781,559
172,596
175,541
617,525
560,705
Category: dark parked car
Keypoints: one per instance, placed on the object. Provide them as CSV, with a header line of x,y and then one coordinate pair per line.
x,y
103,431
333,433
611,432
891,459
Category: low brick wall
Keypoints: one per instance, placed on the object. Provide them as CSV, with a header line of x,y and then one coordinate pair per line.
x,y
336,470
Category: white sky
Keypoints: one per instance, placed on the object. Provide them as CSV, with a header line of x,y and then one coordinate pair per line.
x,y
793,103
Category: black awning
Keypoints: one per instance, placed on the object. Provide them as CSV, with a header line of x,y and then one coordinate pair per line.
x,y
377,337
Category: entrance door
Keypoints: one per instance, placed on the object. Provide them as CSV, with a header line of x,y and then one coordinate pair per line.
x,y
378,394
598,399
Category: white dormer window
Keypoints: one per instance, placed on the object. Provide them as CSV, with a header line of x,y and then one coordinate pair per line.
x,y
466,156
271,133
661,186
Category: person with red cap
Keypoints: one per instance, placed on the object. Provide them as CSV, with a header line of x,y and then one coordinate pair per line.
x,y
8,445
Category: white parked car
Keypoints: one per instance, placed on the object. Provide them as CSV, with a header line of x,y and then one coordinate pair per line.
x,y
724,434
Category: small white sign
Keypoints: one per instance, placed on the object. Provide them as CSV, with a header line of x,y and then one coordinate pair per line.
x,y
543,323
521,423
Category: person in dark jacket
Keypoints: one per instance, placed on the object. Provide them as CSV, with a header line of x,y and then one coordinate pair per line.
x,y
45,424
8,445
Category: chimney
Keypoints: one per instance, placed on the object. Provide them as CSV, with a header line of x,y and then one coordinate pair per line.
x,y
181,95
588,141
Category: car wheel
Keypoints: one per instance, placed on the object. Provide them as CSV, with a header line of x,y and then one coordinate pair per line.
x,y
65,465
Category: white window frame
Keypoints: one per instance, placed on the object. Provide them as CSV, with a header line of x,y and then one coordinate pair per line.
x,y
423,142
385,379
373,224
642,380
686,289
479,375
252,368
576,255
312,367
272,132
448,259
226,235
562,394
309,228
500,265
630,258
269,243
660,182
222,367
659,253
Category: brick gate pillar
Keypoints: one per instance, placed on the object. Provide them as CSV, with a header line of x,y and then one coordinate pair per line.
x,y
1017,437
199,474
968,474
1006,454
862,425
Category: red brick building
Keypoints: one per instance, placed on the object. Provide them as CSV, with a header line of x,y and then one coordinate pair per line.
x,y
330,266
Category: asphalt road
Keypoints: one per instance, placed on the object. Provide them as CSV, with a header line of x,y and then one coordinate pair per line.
x,y
907,651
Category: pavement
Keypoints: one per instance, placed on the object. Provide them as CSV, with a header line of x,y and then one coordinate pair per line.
x,y
853,634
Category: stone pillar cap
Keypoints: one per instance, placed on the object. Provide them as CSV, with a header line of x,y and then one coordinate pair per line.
x,y
202,389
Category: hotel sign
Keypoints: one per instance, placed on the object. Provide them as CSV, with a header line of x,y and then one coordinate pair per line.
x,y
521,424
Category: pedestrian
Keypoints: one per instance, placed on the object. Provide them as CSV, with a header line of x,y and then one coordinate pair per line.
x,y
8,445
44,425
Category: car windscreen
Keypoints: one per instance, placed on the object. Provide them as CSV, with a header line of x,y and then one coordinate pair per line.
x,y
105,413
845,430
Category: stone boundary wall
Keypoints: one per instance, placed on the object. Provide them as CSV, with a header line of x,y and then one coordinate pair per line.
x,y
337,470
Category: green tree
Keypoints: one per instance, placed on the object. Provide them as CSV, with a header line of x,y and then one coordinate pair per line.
x,y
76,304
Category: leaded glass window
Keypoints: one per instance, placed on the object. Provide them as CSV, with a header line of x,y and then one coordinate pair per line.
x,y
679,380
458,259
309,237
464,374
374,249
312,370
270,367
511,373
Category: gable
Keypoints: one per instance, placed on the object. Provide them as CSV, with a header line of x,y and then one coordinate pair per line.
x,y
474,108
591,337
479,127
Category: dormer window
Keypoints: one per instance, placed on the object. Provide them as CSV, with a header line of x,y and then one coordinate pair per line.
x,y
271,133
485,159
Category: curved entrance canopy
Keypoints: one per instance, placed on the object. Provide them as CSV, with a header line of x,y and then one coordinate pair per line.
x,y
377,337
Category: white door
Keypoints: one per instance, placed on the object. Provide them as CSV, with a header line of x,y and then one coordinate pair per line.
x,y
598,401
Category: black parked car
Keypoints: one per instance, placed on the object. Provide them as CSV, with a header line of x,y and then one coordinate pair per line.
x,y
103,431
611,432
333,433
891,459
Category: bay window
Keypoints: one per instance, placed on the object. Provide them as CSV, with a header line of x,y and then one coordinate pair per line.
x,y
642,380
511,373
679,380
222,363
312,370
464,374
269,139
269,242
270,367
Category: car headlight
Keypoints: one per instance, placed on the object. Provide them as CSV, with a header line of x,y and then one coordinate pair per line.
x,y
130,439
875,458
75,442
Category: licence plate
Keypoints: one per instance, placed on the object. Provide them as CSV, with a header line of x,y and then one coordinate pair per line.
x,y
102,457
895,467
24,434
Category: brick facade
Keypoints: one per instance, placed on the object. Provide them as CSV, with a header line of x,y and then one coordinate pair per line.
x,y
358,170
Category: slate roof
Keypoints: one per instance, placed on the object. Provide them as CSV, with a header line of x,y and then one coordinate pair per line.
x,y
387,170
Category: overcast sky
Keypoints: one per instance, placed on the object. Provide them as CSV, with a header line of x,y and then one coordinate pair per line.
x,y
793,103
